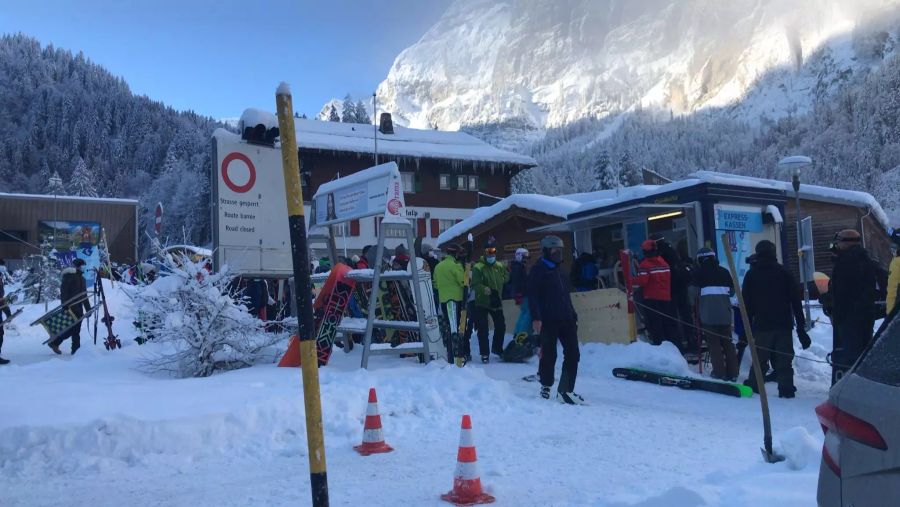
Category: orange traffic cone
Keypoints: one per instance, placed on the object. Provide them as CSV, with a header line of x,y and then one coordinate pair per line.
x,y
291,358
466,482
373,438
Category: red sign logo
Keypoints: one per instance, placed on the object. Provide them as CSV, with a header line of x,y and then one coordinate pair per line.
x,y
240,189
394,206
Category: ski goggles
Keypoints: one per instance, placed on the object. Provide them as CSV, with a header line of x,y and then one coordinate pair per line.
x,y
490,251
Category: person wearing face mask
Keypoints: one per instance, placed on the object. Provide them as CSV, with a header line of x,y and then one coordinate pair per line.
x,y
555,320
489,275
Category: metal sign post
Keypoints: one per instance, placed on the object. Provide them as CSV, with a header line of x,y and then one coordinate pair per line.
x,y
315,438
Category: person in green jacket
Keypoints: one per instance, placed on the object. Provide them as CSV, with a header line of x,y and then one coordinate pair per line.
x,y
448,279
488,278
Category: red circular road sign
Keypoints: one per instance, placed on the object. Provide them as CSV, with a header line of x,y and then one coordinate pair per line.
x,y
240,189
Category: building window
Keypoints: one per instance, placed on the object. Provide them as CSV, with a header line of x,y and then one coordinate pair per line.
x,y
443,225
445,182
473,183
461,182
409,182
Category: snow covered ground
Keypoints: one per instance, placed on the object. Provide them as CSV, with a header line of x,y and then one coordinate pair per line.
x,y
93,430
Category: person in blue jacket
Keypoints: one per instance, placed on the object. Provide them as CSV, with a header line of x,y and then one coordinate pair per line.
x,y
555,320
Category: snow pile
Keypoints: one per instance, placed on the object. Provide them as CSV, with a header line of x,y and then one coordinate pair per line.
x,y
799,448
252,117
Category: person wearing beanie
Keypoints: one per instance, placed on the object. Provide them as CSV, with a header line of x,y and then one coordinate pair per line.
x,y
554,320
72,290
518,275
772,299
711,290
489,275
655,280
852,301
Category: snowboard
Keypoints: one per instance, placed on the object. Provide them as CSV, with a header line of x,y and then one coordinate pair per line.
x,y
11,317
329,308
429,309
665,379
60,319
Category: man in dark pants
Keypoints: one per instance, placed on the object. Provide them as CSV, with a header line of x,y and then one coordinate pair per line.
x,y
712,288
489,275
852,307
5,311
772,299
554,319
73,287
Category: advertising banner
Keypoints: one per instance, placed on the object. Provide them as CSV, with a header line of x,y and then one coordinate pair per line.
x,y
68,234
374,191
738,222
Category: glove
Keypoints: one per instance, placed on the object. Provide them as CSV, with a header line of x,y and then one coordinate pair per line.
x,y
805,341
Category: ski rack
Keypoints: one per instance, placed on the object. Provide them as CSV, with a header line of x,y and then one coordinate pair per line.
x,y
349,326
376,278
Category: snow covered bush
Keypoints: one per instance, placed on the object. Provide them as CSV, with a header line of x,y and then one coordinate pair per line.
x,y
198,321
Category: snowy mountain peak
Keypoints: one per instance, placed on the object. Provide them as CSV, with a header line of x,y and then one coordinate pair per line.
x,y
548,63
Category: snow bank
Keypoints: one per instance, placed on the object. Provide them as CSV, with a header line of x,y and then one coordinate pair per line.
x,y
252,117
799,448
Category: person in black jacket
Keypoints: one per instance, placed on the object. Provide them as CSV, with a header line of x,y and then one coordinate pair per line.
x,y
554,319
518,276
681,274
711,289
852,307
772,299
73,290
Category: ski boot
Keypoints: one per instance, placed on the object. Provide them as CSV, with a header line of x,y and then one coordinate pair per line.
x,y
485,359
570,399
545,392
4,361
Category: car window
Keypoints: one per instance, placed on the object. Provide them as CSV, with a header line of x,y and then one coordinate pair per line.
x,y
880,364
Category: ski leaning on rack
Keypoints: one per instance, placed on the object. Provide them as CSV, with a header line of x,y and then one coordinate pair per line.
x,y
112,341
665,379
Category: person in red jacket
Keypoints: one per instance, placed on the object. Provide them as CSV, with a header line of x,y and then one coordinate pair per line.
x,y
655,280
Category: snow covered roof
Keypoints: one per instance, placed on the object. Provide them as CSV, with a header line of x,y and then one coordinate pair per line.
x,y
807,191
559,206
106,200
356,137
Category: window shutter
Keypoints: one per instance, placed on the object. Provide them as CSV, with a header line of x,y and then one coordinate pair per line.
x,y
435,228
420,227
453,182
482,183
354,227
417,180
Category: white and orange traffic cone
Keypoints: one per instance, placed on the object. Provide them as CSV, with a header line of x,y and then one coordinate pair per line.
x,y
373,438
466,482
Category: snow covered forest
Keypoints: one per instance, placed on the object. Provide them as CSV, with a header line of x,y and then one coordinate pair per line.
x,y
61,114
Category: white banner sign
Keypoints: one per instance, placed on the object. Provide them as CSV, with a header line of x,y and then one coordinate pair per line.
x,y
374,191
249,210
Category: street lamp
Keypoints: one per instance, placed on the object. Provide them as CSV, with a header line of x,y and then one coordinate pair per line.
x,y
794,165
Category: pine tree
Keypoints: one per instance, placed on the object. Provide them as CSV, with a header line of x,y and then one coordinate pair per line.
x,y
603,171
629,174
82,182
55,185
362,116
348,110
333,115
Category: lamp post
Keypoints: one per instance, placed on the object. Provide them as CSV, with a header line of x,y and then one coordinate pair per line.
x,y
793,166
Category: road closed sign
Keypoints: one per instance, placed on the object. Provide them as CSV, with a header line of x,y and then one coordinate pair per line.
x,y
250,227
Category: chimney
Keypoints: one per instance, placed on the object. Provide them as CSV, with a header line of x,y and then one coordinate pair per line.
x,y
385,124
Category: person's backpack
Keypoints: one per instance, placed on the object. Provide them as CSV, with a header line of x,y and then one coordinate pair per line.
x,y
520,349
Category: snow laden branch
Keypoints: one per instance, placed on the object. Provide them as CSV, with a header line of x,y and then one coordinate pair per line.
x,y
198,322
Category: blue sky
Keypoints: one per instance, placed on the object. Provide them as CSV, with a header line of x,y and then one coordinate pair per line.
x,y
219,57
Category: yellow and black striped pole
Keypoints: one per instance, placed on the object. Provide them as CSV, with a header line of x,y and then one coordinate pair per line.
x,y
315,438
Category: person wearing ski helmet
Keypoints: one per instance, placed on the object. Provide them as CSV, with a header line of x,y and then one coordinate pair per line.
x,y
710,290
449,278
772,300
655,280
489,275
893,273
518,275
853,294
72,290
555,320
